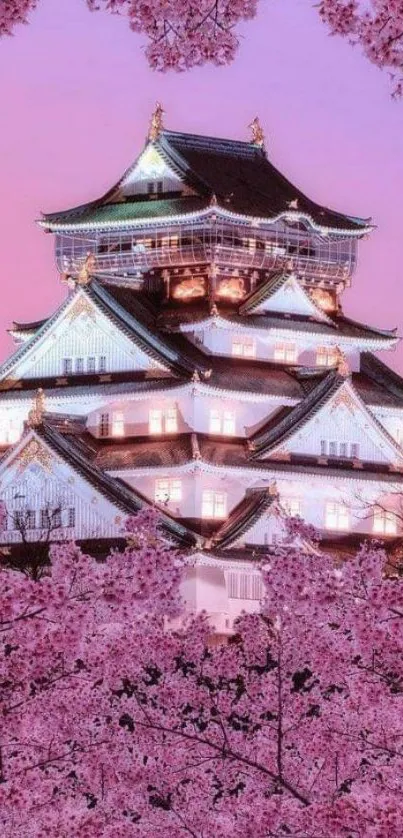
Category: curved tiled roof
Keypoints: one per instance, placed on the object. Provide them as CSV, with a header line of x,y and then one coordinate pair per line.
x,y
238,174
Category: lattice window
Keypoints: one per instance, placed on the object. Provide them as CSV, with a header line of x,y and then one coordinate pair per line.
x,y
102,363
339,449
79,365
214,504
326,356
285,352
384,523
243,347
67,366
244,585
222,422
163,421
91,364
292,506
337,516
168,490
118,424
71,517
104,424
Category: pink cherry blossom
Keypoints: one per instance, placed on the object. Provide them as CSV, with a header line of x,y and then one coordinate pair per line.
x,y
118,720
184,33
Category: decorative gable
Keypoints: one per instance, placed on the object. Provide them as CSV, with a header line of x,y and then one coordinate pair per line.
x,y
284,295
79,339
43,492
151,168
340,426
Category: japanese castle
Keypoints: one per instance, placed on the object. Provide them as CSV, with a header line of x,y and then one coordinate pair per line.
x,y
201,361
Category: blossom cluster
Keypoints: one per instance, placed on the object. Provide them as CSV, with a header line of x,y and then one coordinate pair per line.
x,y
121,720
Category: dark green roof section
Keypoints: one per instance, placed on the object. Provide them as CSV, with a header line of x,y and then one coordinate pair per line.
x,y
237,173
263,292
127,211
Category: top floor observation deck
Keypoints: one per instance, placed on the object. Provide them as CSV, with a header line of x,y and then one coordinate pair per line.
x,y
189,200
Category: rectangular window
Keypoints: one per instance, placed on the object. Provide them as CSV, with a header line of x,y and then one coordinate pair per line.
x,y
336,516
285,352
384,523
79,365
214,504
155,421
244,347
102,363
163,421
355,450
67,366
150,187
56,519
343,449
332,449
118,424
168,490
244,585
30,519
292,506
104,424
171,420
91,364
323,447
45,520
222,422
160,187
71,517
326,356
19,520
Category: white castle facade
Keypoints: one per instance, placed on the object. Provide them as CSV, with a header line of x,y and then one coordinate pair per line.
x,y
202,362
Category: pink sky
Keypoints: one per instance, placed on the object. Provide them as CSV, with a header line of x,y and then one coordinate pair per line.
x,y
76,94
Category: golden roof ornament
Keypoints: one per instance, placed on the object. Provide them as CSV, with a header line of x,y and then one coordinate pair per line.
x,y
343,367
85,275
257,132
35,415
156,123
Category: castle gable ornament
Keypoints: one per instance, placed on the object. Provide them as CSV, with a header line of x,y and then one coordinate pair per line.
x,y
35,452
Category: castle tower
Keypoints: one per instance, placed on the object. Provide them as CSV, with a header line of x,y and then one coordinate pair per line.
x,y
201,361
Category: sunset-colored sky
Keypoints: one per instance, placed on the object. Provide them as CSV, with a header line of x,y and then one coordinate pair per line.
x,y
76,95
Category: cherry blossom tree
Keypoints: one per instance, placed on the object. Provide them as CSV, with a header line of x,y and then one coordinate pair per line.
x,y
121,717
184,33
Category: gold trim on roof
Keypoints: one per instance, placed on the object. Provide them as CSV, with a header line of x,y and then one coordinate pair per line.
x,y
35,452
156,123
258,137
35,415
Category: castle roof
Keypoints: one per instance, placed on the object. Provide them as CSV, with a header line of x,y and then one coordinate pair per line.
x,y
237,175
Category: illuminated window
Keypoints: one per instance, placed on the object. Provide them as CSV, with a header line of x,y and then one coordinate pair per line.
x,y
244,347
384,523
67,366
118,424
285,352
168,490
250,244
104,424
163,421
155,422
171,420
326,356
214,504
292,506
222,422
336,516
